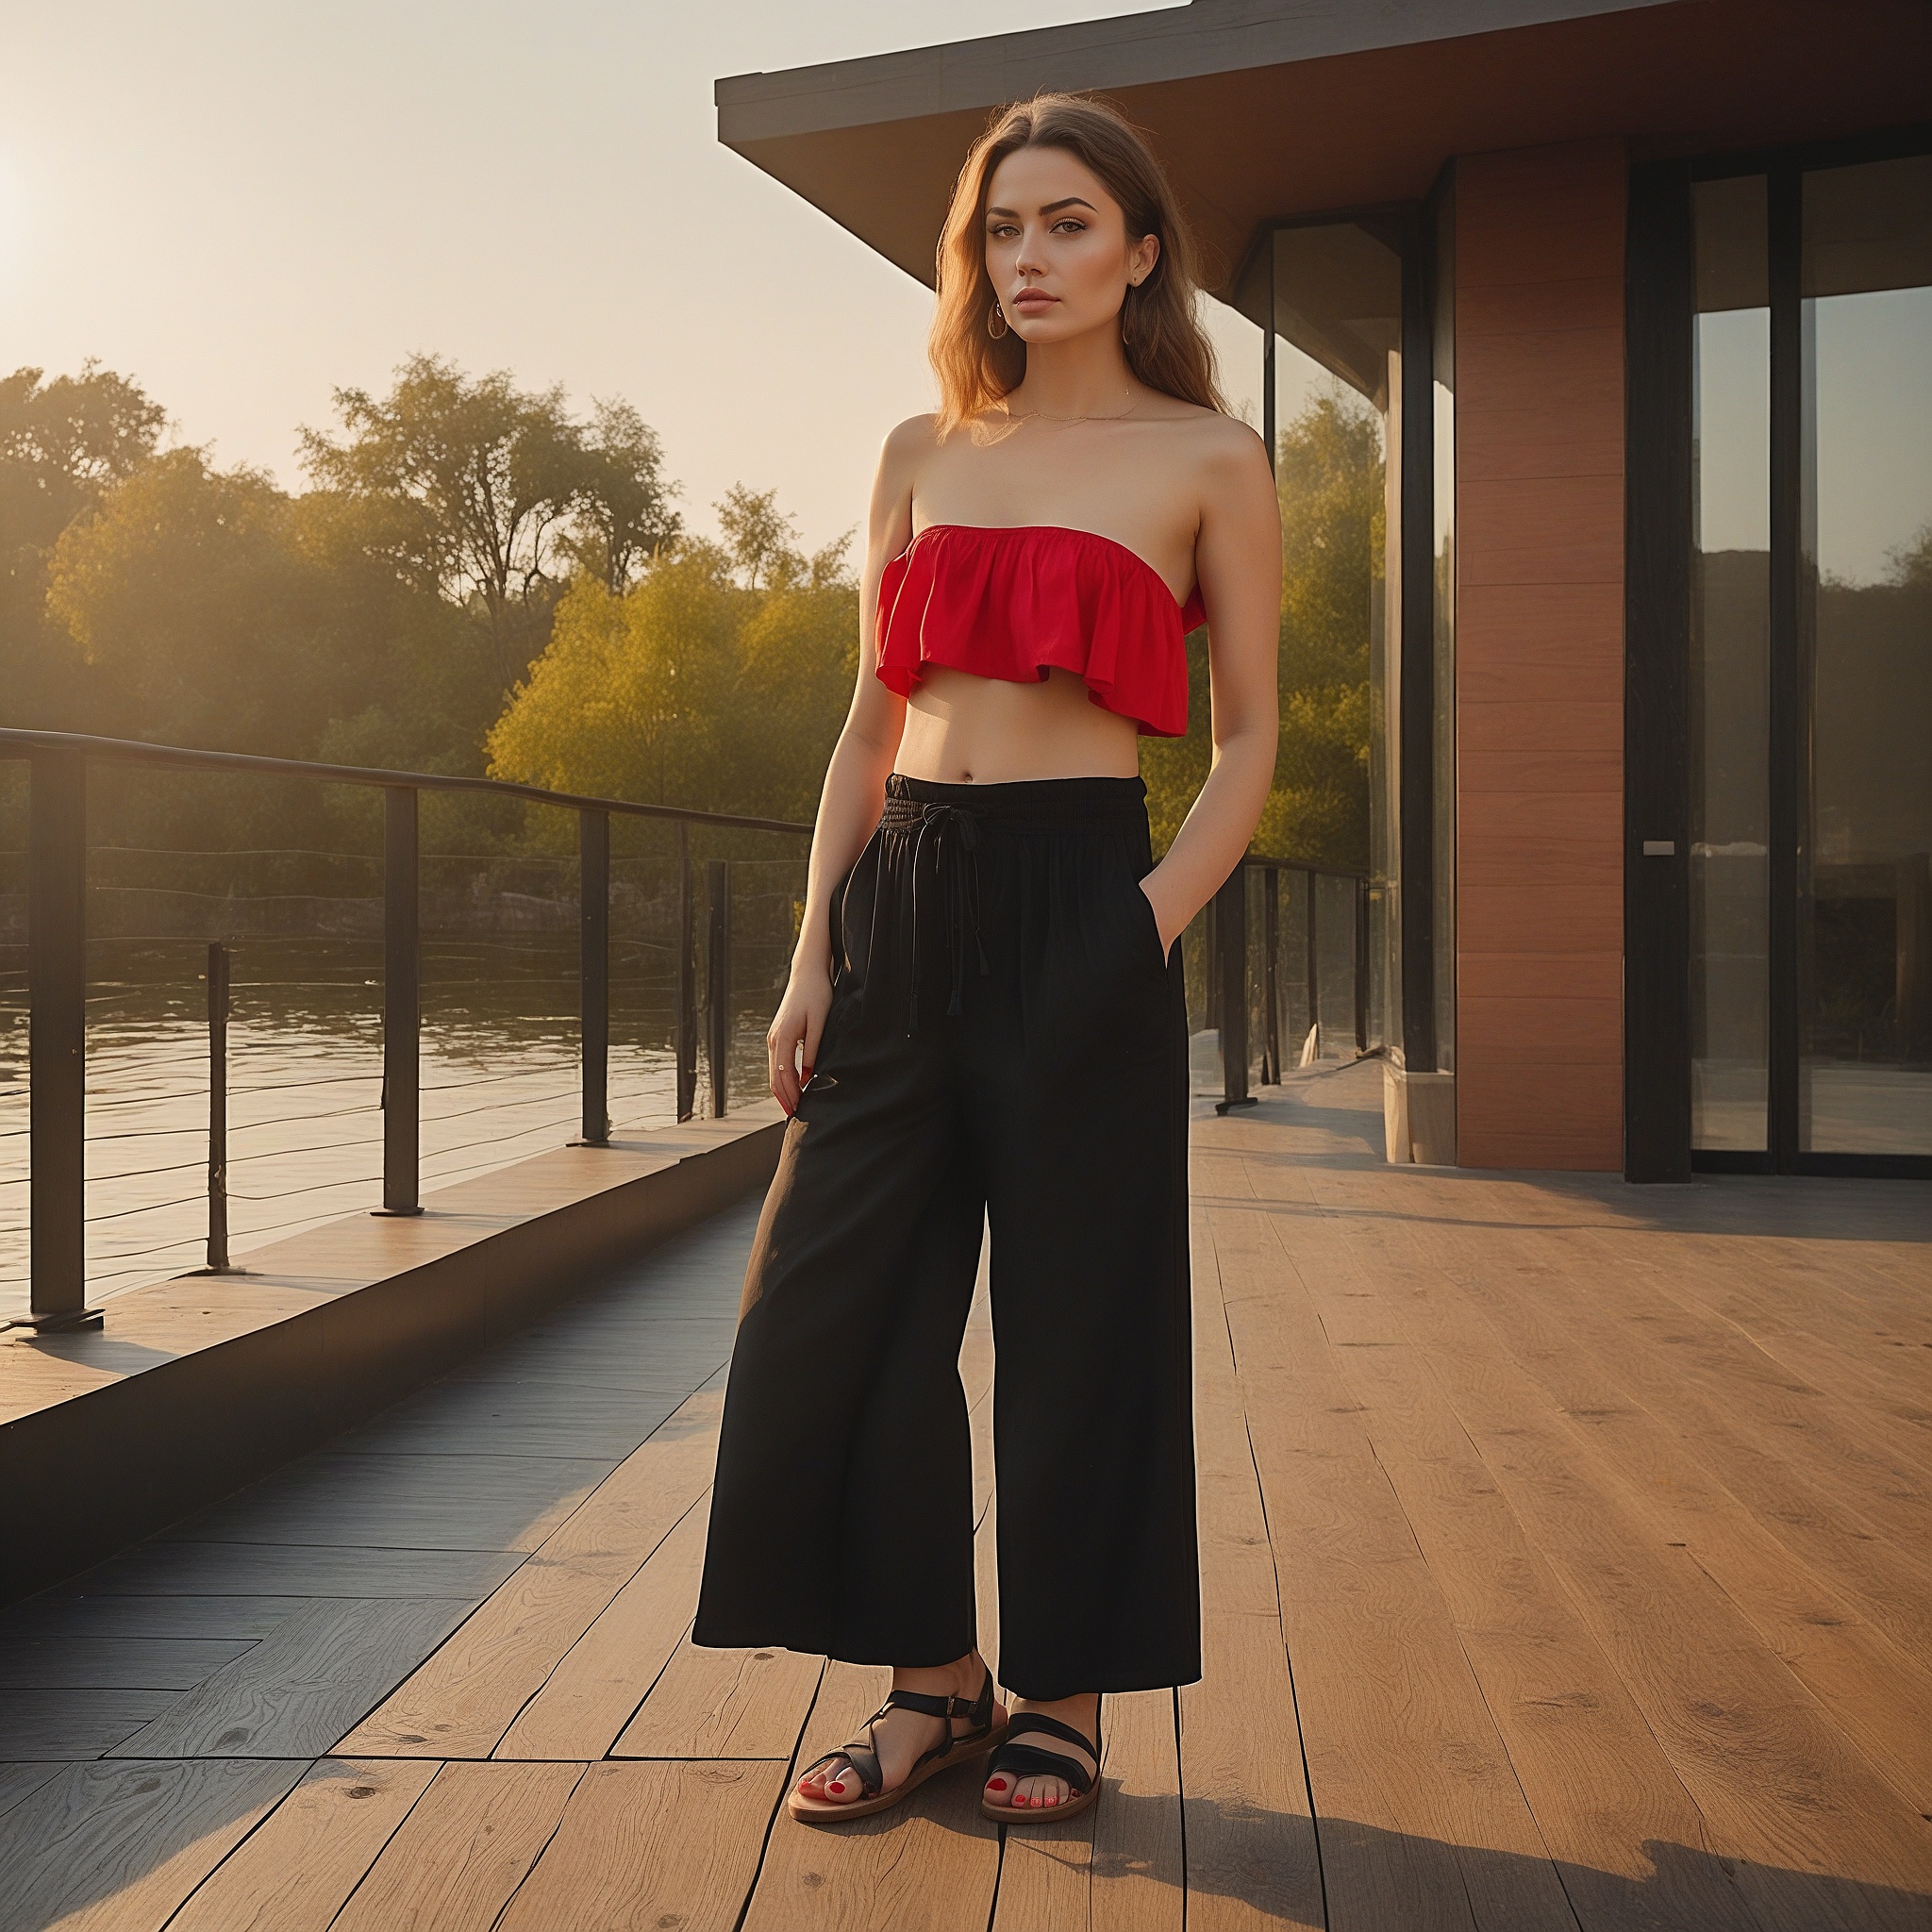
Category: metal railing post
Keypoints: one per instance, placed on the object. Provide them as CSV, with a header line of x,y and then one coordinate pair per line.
x,y
402,977
1231,946
57,1043
684,1019
216,1107
1313,966
717,980
1361,966
594,972
1271,944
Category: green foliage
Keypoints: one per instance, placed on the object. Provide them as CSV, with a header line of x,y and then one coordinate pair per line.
x,y
488,494
719,680
62,445
1329,477
475,575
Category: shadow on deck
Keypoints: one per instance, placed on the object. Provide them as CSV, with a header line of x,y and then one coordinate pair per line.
x,y
1564,1548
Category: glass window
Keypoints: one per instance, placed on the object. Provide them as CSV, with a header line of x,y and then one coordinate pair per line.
x,y
1865,898
1730,618
1442,627
1337,311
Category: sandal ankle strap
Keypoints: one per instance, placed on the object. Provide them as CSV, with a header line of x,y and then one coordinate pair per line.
x,y
927,1702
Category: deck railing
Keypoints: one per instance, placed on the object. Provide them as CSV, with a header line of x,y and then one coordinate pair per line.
x,y
57,988
1247,982
1245,985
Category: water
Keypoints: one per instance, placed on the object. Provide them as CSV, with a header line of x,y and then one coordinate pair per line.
x,y
500,1082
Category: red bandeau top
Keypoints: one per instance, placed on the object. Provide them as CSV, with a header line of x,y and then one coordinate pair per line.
x,y
1015,602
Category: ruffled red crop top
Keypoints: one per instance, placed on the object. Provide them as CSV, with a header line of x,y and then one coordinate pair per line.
x,y
1014,602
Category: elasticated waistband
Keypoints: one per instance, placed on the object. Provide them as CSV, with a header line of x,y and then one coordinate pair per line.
x,y
1048,803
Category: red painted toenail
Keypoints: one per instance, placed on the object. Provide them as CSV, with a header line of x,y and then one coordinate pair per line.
x,y
997,1783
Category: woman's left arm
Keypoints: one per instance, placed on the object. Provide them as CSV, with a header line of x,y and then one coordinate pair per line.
x,y
1237,561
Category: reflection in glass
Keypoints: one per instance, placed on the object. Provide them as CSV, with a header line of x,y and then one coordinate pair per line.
x,y
1443,630
1337,311
1865,896
1729,667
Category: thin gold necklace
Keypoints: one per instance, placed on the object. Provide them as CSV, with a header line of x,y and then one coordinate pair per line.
x,y
1115,417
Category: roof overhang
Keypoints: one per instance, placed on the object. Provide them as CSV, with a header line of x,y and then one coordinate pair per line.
x,y
1266,110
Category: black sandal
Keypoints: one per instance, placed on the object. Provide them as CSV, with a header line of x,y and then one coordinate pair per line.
x,y
864,1758
1032,1761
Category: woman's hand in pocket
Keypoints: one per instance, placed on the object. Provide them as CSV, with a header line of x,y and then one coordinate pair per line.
x,y
1165,922
791,1042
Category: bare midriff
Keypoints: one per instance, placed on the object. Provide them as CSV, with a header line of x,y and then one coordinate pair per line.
x,y
963,729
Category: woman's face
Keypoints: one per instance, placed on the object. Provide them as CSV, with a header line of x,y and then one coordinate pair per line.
x,y
1057,250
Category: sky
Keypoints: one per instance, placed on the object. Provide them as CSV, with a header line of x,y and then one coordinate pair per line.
x,y
246,206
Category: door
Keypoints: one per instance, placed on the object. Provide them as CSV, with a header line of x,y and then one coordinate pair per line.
x,y
1809,697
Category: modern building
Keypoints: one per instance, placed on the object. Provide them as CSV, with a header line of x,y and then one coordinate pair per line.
x,y
1637,297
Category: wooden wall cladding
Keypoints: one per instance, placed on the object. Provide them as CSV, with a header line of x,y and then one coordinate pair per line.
x,y
1539,656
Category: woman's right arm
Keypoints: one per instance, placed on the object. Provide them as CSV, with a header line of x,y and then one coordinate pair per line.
x,y
855,785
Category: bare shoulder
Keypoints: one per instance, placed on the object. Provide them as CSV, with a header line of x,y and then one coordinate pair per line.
x,y
1217,444
906,450
909,443
1229,445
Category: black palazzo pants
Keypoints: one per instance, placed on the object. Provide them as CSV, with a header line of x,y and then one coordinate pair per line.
x,y
1006,1047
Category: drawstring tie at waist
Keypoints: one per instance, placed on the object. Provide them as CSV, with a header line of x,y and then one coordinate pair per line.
x,y
954,833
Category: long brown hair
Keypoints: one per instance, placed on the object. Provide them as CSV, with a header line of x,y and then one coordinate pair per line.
x,y
1165,344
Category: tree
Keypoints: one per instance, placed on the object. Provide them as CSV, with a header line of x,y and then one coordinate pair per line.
x,y
634,692
719,679
184,613
493,495
62,445
1329,475
623,516
1329,479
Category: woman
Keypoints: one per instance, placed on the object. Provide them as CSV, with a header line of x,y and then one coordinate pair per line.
x,y
986,1017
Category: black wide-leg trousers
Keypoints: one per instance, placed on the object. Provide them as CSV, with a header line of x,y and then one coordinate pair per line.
x,y
1006,1047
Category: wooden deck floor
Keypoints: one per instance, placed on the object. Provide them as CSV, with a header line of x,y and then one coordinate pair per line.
x,y
1566,1562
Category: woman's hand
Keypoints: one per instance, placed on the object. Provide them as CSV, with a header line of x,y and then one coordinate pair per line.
x,y
791,1042
1167,921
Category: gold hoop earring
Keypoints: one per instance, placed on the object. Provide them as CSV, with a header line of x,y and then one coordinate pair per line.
x,y
997,315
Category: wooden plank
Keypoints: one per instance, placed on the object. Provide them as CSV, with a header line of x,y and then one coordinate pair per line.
x,y
1117,1867
724,1704
579,1428
464,1699
1250,1858
301,1685
1775,1780
1878,1692
19,1782
110,1663
88,1618
1778,1482
74,1723
1431,1827
649,1845
283,1570
931,1862
1600,1789
1137,1859
601,1680
295,1871
1877,1464
117,1847
404,1502
466,1846
1251,1841
461,1698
